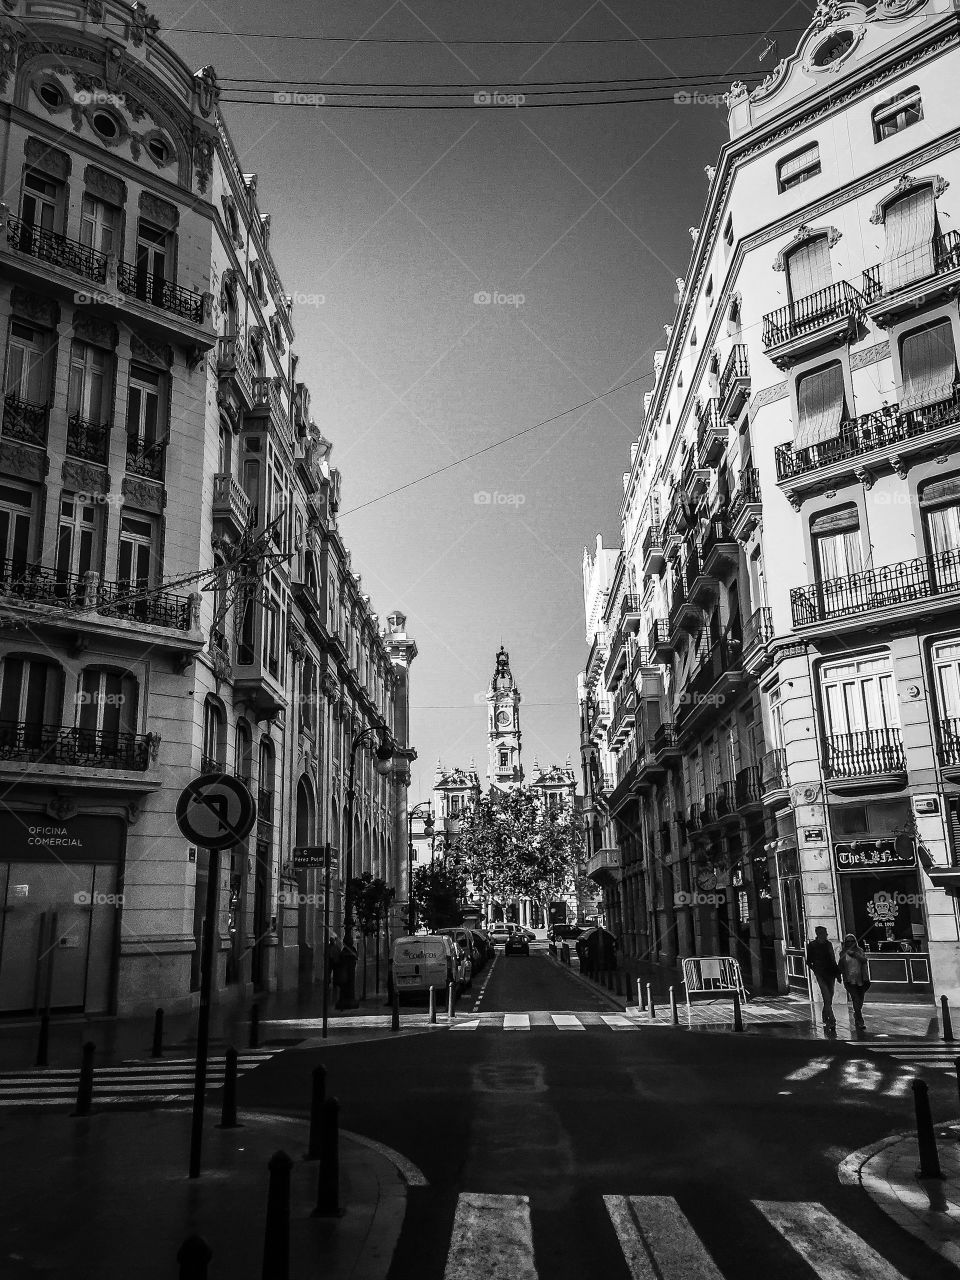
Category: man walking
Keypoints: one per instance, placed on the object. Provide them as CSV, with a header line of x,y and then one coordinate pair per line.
x,y
823,965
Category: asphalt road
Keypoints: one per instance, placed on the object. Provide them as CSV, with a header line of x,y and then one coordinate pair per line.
x,y
721,1123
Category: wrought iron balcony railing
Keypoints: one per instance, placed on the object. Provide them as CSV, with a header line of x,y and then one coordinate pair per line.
x,y
864,753
37,584
948,734
25,421
34,743
881,588
748,490
630,606
210,764
57,250
758,629
164,294
88,440
936,259
139,602
773,771
146,459
748,787
805,316
737,369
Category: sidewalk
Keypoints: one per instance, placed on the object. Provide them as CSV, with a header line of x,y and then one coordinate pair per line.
x,y
108,1196
929,1208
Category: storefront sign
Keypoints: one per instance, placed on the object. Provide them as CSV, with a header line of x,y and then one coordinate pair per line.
x,y
35,837
875,854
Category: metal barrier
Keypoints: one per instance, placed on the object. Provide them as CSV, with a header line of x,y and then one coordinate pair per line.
x,y
710,977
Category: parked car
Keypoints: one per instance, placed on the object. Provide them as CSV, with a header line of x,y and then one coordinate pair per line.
x,y
484,946
558,933
424,961
516,944
465,941
529,934
499,933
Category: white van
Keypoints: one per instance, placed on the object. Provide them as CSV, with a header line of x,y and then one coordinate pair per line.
x,y
427,960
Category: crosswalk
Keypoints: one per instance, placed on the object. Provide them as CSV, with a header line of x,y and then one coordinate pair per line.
x,y
934,1055
153,1080
493,1235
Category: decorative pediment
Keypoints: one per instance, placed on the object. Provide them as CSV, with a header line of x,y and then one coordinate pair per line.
x,y
802,234
908,182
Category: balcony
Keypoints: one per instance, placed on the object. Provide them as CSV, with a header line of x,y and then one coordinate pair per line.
x,y
36,584
757,634
711,435
749,792
865,754
658,641
685,614
723,802
694,479
653,557
630,613
820,319
158,292
56,250
733,389
745,506
233,365
702,585
901,591
598,715
146,459
24,421
774,779
664,745
231,506
603,865
88,440
624,711
616,658
948,742
872,442
913,280
718,551
268,402
256,685
27,742
695,817
210,764
715,682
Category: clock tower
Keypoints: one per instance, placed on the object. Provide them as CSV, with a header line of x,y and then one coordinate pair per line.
x,y
503,727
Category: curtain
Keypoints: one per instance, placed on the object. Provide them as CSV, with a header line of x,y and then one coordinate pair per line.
x,y
943,526
910,224
820,401
929,362
838,555
808,268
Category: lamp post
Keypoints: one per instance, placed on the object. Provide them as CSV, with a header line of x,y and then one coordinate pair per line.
x,y
428,830
348,957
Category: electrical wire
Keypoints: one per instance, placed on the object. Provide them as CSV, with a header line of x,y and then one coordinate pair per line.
x,y
438,42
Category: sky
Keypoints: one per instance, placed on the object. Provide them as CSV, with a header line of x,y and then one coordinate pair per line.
x,y
460,276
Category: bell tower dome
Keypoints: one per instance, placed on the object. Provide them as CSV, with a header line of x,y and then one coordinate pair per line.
x,y
503,726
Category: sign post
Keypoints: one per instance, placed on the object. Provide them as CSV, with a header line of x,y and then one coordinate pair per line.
x,y
214,812
317,856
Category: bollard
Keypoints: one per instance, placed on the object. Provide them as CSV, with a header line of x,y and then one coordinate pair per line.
x,y
641,997
157,1051
43,1042
318,1093
194,1257
956,1063
328,1179
276,1236
564,954
651,1009
947,1024
255,1027
737,1011
674,1011
395,1012
451,1000
926,1139
228,1109
85,1084
433,1006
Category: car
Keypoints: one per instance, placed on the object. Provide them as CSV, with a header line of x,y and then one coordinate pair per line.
x,y
558,933
529,934
483,946
463,938
427,960
516,945
499,933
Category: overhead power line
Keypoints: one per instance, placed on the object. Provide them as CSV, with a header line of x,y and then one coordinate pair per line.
x,y
658,82
558,44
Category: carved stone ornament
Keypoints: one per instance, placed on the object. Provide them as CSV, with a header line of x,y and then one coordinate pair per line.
x,y
42,311
105,185
10,41
134,812
826,14
802,233
51,160
142,24
193,355
84,477
207,90
894,10
21,460
296,642
100,333
900,465
63,808
738,91
908,182
202,147
144,495
153,353
865,476
94,10
153,746
162,212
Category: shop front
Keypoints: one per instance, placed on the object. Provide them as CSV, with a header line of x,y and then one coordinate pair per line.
x,y
881,902
60,901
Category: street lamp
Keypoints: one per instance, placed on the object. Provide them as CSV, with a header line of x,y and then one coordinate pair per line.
x,y
383,763
428,830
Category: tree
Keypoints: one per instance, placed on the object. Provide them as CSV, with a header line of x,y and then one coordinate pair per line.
x,y
438,894
371,903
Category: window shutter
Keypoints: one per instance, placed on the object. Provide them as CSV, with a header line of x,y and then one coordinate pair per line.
x,y
820,400
809,268
840,521
910,225
802,160
929,362
940,491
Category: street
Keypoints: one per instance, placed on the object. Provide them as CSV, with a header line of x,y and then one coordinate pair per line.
x,y
569,1114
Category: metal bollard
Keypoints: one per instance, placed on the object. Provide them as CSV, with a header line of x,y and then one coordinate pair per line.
x,y
157,1050
452,1000
433,1006
255,1027
85,1084
737,1011
276,1236
194,1257
395,1012
43,1042
947,1024
564,954
328,1179
674,1011
651,1009
318,1094
228,1109
641,996
926,1139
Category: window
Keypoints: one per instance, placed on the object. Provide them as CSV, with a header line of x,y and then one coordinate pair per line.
x,y
928,363
144,407
454,804
820,406
809,269
135,556
27,373
106,125
52,95
159,150
77,538
728,232
31,693
910,224
308,696
940,509
230,315
213,747
100,225
88,392
16,510
897,114
504,759
41,201
836,542
224,449
154,261
799,167
107,702
708,292
859,695
257,276
244,752
946,664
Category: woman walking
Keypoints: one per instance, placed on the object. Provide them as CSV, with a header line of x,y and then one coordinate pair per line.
x,y
856,976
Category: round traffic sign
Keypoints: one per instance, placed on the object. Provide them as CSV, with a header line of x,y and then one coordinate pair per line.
x,y
216,810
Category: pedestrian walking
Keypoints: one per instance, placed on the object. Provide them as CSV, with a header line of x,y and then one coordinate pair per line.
x,y
856,976
823,965
333,955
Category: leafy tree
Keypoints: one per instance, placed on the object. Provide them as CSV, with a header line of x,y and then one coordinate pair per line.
x,y
438,894
371,903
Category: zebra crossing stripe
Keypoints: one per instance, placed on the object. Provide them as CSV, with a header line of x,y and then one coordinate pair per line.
x,y
567,1022
617,1022
516,1022
492,1236
657,1241
472,1025
831,1250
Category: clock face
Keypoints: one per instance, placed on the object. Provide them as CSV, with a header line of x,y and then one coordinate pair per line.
x,y
503,718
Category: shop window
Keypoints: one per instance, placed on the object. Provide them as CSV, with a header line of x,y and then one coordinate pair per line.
x,y
809,268
836,543
799,167
928,363
898,114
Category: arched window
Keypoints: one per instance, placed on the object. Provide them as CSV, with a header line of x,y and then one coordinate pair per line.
x,y
909,251
231,314
808,268
256,356
305,831
244,752
214,747
266,779
107,702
